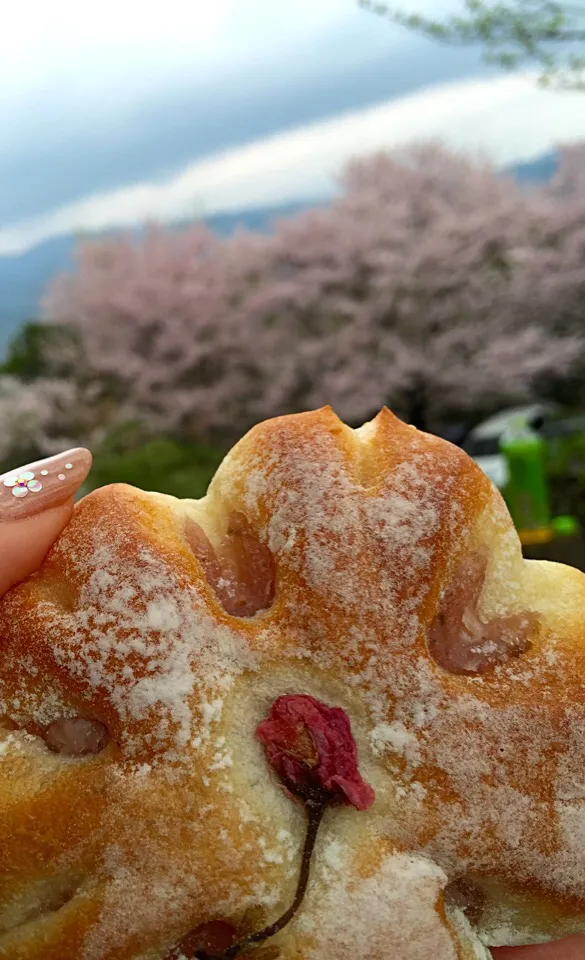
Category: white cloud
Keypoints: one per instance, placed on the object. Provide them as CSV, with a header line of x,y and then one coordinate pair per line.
x,y
116,45
507,118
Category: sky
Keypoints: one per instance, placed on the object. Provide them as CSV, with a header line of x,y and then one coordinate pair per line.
x,y
121,111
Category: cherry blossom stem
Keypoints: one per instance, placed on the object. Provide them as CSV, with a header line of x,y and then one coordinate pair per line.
x,y
315,811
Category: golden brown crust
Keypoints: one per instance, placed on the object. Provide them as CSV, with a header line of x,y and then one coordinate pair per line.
x,y
478,776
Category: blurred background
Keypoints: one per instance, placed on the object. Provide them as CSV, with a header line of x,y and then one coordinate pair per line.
x,y
216,212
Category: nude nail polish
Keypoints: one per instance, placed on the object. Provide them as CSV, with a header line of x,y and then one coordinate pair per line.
x,y
39,486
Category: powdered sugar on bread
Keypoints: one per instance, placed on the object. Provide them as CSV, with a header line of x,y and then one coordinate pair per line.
x,y
477,773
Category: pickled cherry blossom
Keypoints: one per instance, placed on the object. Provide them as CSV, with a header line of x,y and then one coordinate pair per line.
x,y
310,747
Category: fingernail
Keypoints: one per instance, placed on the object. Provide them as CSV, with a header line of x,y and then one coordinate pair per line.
x,y
42,485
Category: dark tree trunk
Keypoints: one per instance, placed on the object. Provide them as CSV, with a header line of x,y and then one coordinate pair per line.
x,y
417,406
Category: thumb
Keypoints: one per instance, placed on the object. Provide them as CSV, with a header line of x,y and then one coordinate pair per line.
x,y
36,502
571,949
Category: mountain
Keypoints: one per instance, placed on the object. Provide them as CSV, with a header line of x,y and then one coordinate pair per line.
x,y
540,170
24,277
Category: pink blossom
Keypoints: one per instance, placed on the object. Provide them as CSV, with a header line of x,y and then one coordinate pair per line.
x,y
311,748
432,284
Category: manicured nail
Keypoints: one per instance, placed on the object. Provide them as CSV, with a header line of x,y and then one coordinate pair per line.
x,y
42,485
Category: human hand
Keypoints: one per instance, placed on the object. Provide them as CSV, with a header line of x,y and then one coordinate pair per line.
x,y
571,949
36,502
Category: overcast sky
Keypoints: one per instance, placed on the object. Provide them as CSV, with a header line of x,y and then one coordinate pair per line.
x,y
123,109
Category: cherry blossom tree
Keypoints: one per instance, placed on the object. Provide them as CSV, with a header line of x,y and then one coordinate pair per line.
x,y
432,284
410,290
164,326
555,266
34,419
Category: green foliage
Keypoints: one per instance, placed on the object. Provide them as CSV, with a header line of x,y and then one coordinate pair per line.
x,y
566,456
548,34
35,350
159,464
566,471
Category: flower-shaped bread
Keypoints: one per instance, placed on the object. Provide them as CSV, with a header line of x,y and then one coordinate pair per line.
x,y
345,624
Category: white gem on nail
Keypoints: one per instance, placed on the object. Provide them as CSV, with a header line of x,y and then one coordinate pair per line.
x,y
69,466
61,476
23,483
44,473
